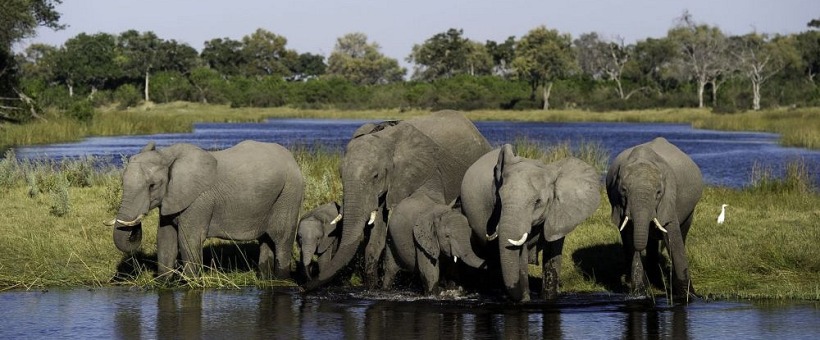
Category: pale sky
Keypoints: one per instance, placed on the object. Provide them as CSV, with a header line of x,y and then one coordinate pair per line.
x,y
314,25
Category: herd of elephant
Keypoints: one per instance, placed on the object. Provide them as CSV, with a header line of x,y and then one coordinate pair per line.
x,y
428,195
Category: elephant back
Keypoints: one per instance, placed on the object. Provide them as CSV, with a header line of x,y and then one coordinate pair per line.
x,y
458,142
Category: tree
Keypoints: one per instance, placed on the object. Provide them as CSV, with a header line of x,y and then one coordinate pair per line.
x,y
704,54
652,63
308,66
448,54
541,56
360,62
223,55
808,43
18,20
502,55
140,55
760,58
603,59
265,54
88,60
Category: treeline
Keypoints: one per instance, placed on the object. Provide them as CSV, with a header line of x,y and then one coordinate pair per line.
x,y
695,65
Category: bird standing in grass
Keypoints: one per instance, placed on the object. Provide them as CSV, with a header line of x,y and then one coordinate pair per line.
x,y
722,215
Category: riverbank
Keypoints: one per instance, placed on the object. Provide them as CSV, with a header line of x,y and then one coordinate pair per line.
x,y
53,235
797,127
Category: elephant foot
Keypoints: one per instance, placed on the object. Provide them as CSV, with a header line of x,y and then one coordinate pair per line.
x,y
550,285
684,292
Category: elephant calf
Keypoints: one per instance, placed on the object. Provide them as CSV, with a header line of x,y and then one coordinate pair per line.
x,y
251,191
318,235
423,234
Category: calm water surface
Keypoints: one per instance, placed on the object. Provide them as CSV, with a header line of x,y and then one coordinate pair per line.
x,y
287,314
725,158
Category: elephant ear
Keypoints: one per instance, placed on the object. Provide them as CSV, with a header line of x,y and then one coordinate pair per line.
x,y
329,237
614,195
506,157
192,171
667,211
425,235
417,163
369,128
575,196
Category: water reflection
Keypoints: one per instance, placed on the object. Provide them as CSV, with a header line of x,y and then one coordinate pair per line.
x,y
354,314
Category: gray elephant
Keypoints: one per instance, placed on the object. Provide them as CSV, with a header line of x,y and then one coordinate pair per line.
x,y
251,191
425,234
318,235
527,206
653,189
383,167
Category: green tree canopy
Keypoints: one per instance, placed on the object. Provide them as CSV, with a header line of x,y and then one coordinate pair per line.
x,y
88,61
542,56
264,53
448,54
223,55
360,62
19,19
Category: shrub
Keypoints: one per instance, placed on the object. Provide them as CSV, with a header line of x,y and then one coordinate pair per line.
x,y
81,111
60,201
127,96
9,170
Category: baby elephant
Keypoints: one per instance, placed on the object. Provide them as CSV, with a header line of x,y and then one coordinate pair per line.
x,y
424,233
317,235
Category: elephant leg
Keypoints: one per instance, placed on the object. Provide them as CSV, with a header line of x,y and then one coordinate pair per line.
x,y
373,252
390,267
191,238
266,257
681,281
167,247
429,271
551,268
653,264
524,275
275,258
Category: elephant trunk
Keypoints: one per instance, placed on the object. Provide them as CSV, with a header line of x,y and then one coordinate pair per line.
x,y
307,251
513,257
640,225
472,260
352,235
128,239
128,227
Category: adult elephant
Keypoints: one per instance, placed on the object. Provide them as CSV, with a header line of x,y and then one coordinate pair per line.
x,y
383,166
252,191
654,184
527,206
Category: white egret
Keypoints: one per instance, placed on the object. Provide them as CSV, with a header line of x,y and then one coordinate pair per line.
x,y
722,215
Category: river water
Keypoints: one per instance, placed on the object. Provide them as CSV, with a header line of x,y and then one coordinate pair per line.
x,y
353,314
725,158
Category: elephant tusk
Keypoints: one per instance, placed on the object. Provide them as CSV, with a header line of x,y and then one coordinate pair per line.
x,y
110,223
519,242
455,259
623,225
492,237
657,223
131,223
336,220
372,218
